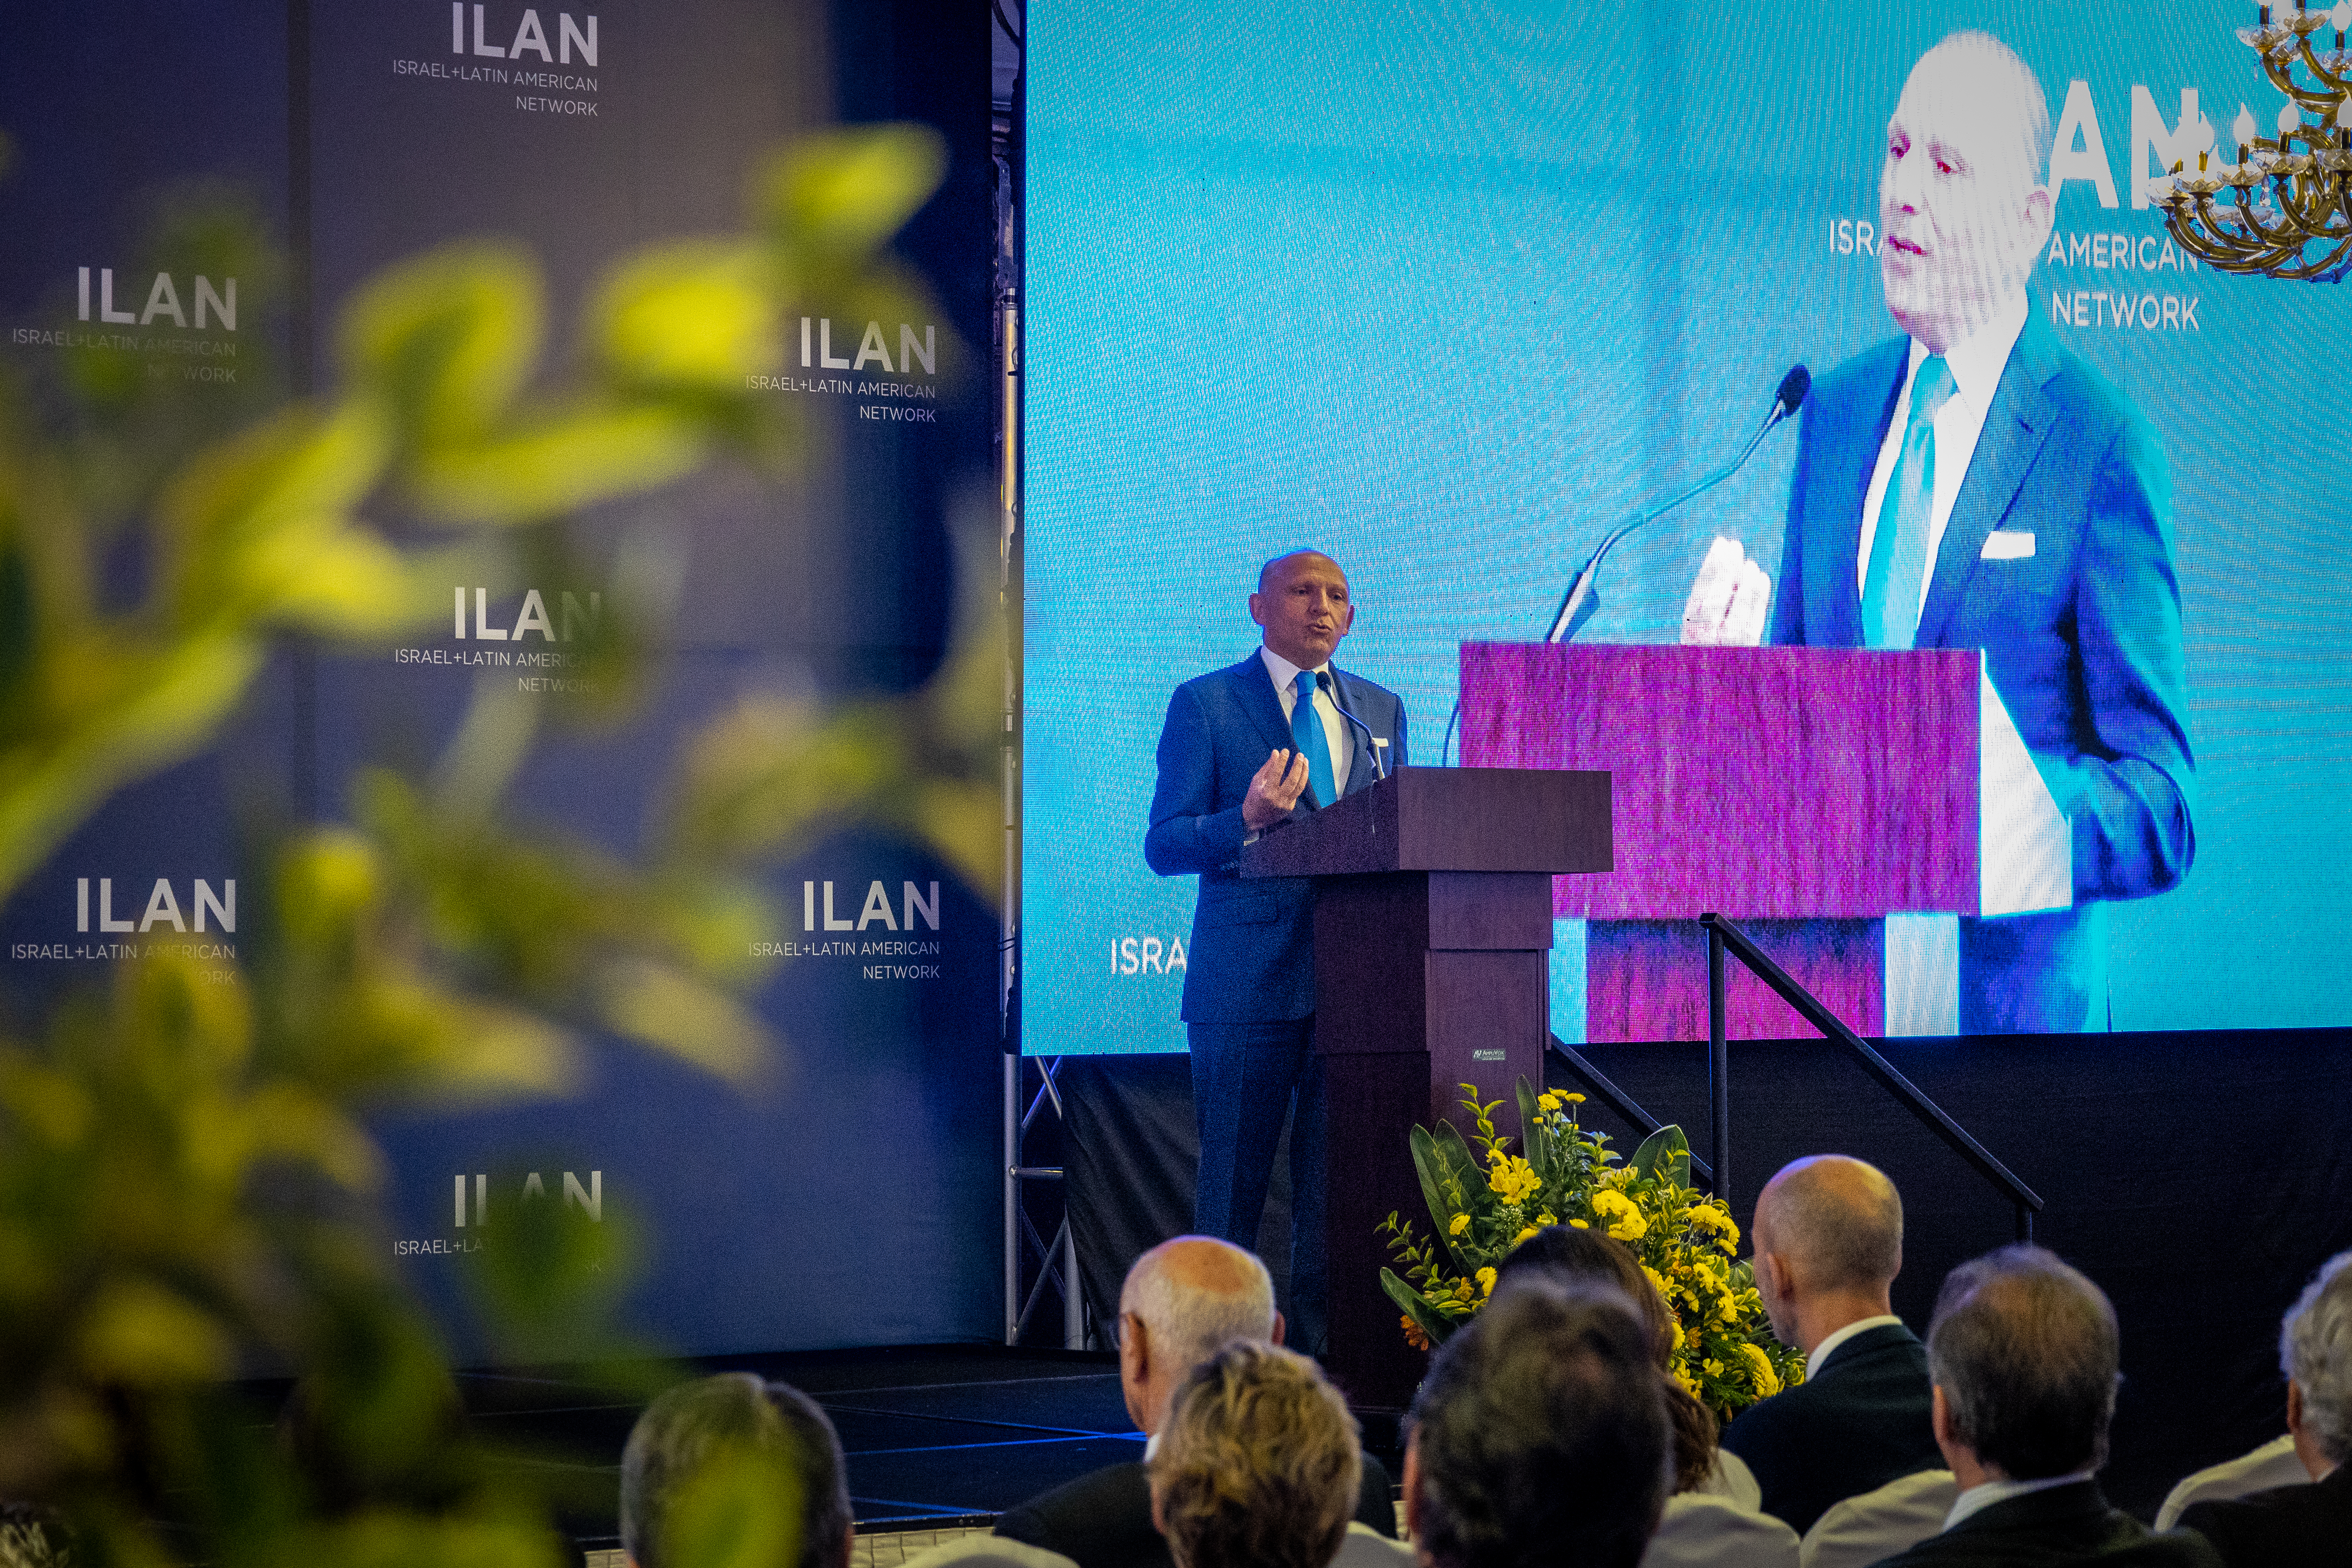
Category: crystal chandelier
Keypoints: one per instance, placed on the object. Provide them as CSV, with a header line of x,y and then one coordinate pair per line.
x,y
2289,211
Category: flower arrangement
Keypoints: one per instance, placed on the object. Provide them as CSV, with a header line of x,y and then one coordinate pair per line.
x,y
1482,1207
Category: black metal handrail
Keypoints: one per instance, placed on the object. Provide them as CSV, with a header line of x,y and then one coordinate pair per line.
x,y
1624,1104
1721,934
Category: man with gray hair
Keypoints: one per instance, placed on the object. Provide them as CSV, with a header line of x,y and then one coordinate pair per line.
x,y
1183,1302
1974,485
2025,1358
2293,1525
719,1463
1828,1241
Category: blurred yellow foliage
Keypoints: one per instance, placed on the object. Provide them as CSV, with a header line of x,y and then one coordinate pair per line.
x,y
186,1187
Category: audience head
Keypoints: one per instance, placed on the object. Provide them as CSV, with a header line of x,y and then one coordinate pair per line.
x,y
2315,1354
1258,1464
1828,1241
1567,1253
2024,1354
734,1428
1540,1435
1183,1301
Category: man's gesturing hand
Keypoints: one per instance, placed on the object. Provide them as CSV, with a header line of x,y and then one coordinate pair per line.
x,y
1274,790
1726,604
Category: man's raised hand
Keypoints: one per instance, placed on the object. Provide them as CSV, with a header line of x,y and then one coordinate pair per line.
x,y
1726,604
1274,789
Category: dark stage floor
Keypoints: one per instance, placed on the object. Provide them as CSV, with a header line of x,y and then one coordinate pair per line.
x,y
935,1435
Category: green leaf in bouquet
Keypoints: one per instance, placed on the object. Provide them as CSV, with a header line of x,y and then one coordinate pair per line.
x,y
1429,1165
1541,1148
1666,1153
1432,1322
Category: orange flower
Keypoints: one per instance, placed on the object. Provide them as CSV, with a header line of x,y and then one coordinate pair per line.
x,y
1412,1334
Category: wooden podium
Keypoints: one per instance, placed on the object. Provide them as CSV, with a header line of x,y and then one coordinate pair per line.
x,y
1432,919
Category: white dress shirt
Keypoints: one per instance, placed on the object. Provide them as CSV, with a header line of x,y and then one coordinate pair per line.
x,y
1976,364
1335,732
1830,1343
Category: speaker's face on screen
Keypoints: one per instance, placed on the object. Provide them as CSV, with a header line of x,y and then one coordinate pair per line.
x,y
1960,204
1302,602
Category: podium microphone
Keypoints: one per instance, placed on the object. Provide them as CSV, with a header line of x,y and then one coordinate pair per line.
x,y
1577,606
1379,748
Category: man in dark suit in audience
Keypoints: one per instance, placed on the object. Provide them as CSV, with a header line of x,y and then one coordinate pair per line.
x,y
1540,1435
1828,1242
2023,1352
2290,1526
1183,1302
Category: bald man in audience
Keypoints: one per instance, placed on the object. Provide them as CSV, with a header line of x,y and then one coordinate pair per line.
x,y
1828,1238
1183,1302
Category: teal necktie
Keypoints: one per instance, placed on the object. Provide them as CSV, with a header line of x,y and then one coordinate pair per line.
x,y
1307,734
1899,550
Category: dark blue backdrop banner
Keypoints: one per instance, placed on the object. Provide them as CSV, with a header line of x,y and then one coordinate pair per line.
x,y
585,130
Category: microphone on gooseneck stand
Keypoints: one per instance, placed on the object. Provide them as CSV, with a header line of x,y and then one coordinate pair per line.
x,y
1379,748
1576,606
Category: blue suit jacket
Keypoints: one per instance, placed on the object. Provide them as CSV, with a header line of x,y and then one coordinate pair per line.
x,y
2082,639
1251,956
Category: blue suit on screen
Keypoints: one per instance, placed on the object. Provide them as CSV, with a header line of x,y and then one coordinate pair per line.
x,y
2081,637
1249,976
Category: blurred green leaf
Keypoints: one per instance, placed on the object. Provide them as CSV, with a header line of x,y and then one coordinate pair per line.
x,y
697,315
664,1006
556,464
840,193
447,340
135,1331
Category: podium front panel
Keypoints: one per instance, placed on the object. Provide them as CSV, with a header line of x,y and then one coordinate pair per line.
x,y
1758,783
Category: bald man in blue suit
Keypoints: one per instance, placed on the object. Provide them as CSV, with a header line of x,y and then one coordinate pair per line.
x,y
1974,485
1234,764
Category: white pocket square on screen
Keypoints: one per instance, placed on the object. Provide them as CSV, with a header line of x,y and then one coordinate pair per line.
x,y
2008,544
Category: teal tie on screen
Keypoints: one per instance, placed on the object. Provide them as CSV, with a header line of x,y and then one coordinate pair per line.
x,y
1899,550
1307,734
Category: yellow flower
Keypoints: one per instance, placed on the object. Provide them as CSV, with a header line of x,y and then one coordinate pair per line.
x,y
1768,1382
1625,1221
1548,1101
1712,1367
1714,1217
1514,1180
1675,1326
1690,1385
1657,1281
1486,1281
1523,1235
1578,1224
1462,1289
1573,1099
1460,1223
1546,1218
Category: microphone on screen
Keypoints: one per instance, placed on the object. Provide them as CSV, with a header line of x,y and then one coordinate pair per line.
x,y
1576,606
1379,748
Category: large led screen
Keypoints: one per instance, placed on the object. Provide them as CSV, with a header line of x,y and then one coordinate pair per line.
x,y
1447,290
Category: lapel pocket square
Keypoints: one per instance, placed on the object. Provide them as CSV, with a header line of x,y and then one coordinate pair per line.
x,y
2008,544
